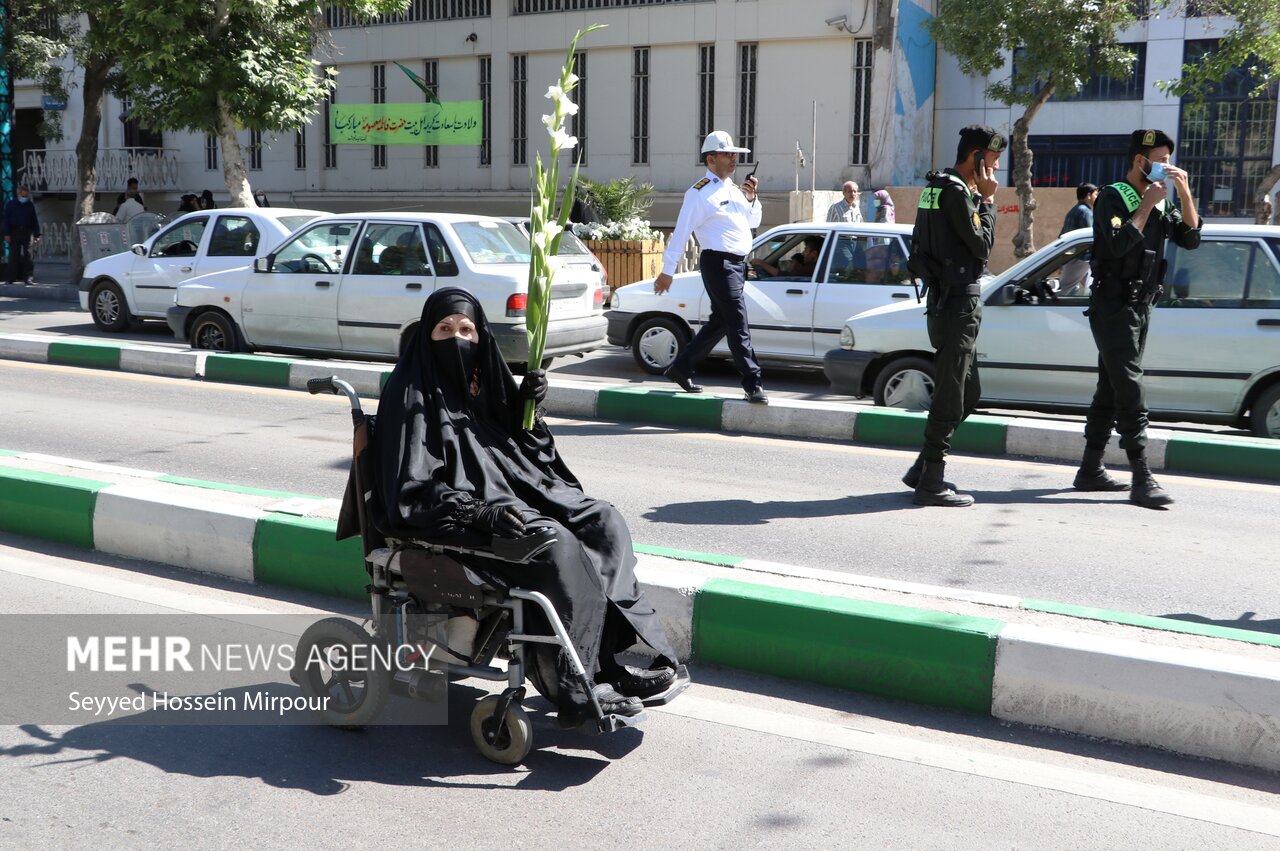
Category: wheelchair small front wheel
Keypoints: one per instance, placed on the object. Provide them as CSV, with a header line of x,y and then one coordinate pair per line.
x,y
334,665
512,737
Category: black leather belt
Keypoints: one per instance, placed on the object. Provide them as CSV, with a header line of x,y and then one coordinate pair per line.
x,y
736,258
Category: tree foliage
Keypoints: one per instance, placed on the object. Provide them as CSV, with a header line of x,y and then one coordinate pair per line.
x,y
1251,43
617,200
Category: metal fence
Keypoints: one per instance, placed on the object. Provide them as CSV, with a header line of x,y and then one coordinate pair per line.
x,y
46,170
55,240
336,17
536,7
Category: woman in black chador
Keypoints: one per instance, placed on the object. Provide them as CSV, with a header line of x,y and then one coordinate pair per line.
x,y
455,466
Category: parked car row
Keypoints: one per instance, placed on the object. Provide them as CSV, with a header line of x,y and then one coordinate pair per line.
x,y
1213,354
301,280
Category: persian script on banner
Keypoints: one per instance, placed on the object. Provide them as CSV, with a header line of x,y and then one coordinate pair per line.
x,y
451,123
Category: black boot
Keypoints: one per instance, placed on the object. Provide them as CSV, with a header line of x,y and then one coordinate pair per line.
x,y
1092,476
912,477
933,491
1145,491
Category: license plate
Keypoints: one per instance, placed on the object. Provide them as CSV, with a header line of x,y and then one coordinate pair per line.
x,y
562,306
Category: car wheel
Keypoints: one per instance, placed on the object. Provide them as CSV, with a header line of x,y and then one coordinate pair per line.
x,y
1264,416
109,309
657,342
215,332
905,383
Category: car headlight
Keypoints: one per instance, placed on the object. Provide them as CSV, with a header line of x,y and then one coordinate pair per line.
x,y
615,303
846,338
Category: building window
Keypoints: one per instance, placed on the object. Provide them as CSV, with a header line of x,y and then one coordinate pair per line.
x,y
210,152
336,17
255,150
1100,87
519,110
535,7
379,92
747,99
431,76
1226,140
640,106
1069,161
300,148
486,84
578,121
860,115
706,93
330,149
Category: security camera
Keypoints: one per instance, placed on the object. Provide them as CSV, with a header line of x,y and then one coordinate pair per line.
x,y
839,23
473,37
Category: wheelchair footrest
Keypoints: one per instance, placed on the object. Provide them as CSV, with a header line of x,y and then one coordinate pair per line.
x,y
612,723
677,687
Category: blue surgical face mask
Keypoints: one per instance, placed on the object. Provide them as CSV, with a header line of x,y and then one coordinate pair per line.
x,y
23,200
1157,172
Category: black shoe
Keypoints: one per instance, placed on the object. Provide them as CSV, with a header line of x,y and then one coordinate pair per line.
x,y
1093,477
931,490
640,682
912,477
611,703
757,397
1145,491
682,380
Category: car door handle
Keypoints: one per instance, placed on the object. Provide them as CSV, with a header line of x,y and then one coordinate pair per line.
x,y
796,292
1275,323
902,295
413,286
322,284
184,268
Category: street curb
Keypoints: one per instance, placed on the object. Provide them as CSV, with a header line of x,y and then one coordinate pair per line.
x,y
1194,454
1208,703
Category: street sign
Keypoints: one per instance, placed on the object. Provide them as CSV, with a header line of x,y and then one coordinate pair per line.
x,y
51,103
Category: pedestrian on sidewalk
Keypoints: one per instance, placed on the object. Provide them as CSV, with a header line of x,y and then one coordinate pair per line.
x,y
848,209
21,228
131,192
955,229
1132,220
721,215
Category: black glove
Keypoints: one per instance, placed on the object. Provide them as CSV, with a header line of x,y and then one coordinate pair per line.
x,y
500,520
534,386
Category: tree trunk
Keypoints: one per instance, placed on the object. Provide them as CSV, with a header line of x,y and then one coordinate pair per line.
x,y
95,92
1024,241
1264,191
233,170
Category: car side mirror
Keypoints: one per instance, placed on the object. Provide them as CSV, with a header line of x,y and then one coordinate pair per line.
x,y
262,264
139,249
1006,295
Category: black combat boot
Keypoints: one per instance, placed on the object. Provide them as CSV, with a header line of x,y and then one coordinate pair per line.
x,y
912,477
1145,491
933,491
1092,476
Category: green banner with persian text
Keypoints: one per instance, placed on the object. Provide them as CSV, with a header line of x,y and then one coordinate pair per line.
x,y
452,123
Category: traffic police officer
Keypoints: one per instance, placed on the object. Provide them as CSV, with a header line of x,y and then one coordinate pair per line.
x,y
1131,221
955,228
722,216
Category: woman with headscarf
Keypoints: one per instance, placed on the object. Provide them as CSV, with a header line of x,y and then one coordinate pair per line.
x,y
884,207
456,467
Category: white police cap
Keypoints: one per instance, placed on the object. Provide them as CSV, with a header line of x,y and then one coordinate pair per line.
x,y
720,142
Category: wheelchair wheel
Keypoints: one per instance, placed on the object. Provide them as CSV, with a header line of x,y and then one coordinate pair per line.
x,y
355,697
514,737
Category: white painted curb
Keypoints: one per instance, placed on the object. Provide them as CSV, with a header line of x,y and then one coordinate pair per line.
x,y
1195,702
367,380
25,348
157,361
789,418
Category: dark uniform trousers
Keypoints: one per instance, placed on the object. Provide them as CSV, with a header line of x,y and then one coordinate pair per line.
x,y
953,323
724,276
21,264
1120,332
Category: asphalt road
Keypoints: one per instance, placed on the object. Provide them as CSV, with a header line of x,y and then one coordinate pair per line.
x,y
610,365
838,506
737,762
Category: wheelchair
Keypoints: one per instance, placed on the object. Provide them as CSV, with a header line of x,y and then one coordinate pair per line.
x,y
436,618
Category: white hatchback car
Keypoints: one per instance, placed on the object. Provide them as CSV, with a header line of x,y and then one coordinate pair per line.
x,y
795,313
1213,354
139,284
355,285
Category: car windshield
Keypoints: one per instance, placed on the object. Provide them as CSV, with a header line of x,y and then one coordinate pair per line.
x,y
292,223
490,242
571,246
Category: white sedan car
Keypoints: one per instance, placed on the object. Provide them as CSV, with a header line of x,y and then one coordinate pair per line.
x,y
795,312
1213,353
355,285
139,284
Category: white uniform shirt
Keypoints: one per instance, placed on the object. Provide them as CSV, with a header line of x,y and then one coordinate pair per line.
x,y
720,216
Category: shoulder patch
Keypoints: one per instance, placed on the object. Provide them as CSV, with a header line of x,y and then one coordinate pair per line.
x,y
701,183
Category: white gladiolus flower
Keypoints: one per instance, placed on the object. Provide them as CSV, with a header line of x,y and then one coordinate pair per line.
x,y
568,107
573,80
562,140
554,93
550,122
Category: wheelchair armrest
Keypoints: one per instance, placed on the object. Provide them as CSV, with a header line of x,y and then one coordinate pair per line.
x,y
524,549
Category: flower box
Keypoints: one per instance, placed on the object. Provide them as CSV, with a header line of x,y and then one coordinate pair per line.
x,y
628,260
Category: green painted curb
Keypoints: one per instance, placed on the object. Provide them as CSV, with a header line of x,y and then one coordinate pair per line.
x,y
301,552
910,654
1223,456
92,355
660,406
688,555
219,486
906,428
1153,622
49,506
246,369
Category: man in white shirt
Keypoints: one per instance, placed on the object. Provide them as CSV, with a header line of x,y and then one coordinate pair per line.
x,y
848,209
721,215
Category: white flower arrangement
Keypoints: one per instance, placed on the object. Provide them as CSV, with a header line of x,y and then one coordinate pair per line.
x,y
633,228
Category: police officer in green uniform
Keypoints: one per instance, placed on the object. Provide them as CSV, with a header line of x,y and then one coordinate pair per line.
x,y
1131,221
955,228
